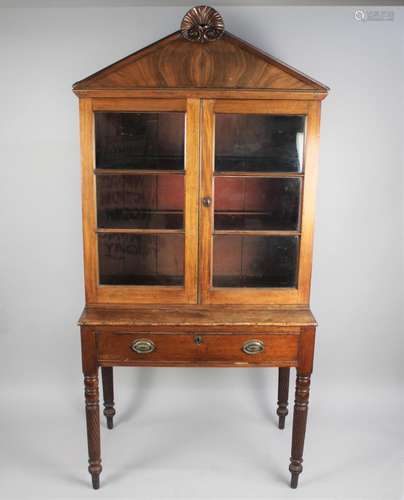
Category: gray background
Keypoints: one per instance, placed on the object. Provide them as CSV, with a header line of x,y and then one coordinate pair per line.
x,y
194,433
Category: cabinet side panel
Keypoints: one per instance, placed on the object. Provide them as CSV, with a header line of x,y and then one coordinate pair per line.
x,y
88,198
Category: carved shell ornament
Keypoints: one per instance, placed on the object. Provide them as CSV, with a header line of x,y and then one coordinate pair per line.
x,y
202,24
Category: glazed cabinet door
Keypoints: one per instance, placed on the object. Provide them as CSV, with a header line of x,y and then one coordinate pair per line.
x,y
140,186
257,200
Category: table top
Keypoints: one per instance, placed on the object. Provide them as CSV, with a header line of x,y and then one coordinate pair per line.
x,y
196,315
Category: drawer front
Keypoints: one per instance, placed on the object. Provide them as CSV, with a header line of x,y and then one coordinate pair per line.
x,y
187,349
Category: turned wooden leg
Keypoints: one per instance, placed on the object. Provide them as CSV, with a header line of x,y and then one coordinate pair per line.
x,y
303,372
93,428
90,370
299,426
108,391
283,394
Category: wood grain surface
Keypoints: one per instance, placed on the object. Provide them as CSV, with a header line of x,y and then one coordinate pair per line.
x,y
173,62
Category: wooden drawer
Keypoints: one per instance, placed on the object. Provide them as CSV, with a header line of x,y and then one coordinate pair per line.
x,y
216,349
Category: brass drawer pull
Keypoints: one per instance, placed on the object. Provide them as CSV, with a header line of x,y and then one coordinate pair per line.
x,y
253,347
143,346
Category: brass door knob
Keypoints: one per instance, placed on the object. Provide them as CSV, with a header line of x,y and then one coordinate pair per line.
x,y
207,201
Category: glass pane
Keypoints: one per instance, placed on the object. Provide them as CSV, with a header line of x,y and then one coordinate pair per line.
x,y
259,143
140,140
255,261
140,201
138,259
257,203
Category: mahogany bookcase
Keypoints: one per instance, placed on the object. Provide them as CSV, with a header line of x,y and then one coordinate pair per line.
x,y
199,158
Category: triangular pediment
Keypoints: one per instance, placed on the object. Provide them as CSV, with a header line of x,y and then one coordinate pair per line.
x,y
174,62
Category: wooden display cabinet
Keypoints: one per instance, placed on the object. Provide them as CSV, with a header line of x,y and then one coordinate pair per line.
x,y
199,158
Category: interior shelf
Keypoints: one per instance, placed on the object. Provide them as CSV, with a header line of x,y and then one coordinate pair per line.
x,y
243,173
253,221
125,230
139,280
246,232
127,171
136,219
256,164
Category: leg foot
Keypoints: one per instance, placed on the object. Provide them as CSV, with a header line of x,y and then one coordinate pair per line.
x,y
283,393
108,390
294,480
96,481
299,426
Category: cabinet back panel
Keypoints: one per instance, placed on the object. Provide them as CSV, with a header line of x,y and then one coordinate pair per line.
x,y
134,259
140,140
140,201
259,143
256,203
255,261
